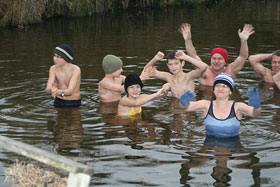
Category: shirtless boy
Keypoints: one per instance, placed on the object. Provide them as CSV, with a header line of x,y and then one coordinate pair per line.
x,y
111,86
64,78
270,76
179,81
219,56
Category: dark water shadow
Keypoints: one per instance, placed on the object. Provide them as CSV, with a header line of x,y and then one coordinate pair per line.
x,y
67,130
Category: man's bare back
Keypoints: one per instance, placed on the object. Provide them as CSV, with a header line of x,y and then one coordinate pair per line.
x,y
110,89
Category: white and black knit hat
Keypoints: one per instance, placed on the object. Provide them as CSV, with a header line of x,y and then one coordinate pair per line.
x,y
225,79
65,51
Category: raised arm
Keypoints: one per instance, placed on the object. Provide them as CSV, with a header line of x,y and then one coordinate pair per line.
x,y
200,65
155,59
255,61
244,109
188,100
244,35
185,30
150,72
255,104
197,63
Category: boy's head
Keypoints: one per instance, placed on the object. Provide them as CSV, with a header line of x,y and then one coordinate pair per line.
x,y
132,79
65,52
111,63
171,56
174,64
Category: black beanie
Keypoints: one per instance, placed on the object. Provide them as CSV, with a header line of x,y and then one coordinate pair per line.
x,y
132,79
65,51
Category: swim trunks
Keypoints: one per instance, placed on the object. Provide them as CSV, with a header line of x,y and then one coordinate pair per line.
x,y
61,103
228,127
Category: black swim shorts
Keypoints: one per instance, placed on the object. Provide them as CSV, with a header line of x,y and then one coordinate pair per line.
x,y
61,103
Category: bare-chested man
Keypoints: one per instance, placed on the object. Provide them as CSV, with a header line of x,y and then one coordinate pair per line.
x,y
219,56
64,78
270,76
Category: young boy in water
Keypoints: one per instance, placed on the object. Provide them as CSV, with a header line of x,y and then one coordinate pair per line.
x,y
179,81
64,78
111,86
131,103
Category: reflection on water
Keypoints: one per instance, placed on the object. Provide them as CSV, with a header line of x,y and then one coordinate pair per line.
x,y
223,154
67,129
166,146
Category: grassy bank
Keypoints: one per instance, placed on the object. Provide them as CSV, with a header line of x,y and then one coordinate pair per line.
x,y
25,12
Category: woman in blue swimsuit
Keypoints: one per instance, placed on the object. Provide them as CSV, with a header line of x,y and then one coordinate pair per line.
x,y
222,116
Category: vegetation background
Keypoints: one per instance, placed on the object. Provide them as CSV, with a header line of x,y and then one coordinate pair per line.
x,y
20,13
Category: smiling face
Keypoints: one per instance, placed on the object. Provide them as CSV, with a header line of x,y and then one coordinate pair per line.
x,y
275,63
175,65
134,90
218,62
222,90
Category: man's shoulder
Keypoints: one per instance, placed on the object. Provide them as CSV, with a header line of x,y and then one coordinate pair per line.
x,y
208,73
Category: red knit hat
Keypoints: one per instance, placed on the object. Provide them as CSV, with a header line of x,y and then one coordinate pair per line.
x,y
221,51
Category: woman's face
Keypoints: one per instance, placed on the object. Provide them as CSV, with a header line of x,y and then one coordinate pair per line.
x,y
222,90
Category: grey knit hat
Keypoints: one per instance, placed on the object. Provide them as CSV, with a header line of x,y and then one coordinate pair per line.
x,y
111,63
65,51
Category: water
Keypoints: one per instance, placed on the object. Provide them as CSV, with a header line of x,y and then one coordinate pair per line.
x,y
166,147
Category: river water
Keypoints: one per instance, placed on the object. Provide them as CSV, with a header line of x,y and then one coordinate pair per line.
x,y
166,147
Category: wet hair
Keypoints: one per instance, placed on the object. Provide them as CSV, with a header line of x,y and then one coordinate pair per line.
x,y
277,52
171,56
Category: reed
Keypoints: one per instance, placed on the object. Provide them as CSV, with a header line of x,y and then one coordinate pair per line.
x,y
25,12
21,12
23,174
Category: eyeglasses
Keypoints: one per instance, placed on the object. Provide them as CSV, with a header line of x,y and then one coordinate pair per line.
x,y
221,86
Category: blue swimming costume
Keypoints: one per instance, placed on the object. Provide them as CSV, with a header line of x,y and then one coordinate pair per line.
x,y
61,103
228,127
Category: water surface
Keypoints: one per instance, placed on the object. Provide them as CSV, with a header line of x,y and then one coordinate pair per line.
x,y
166,147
